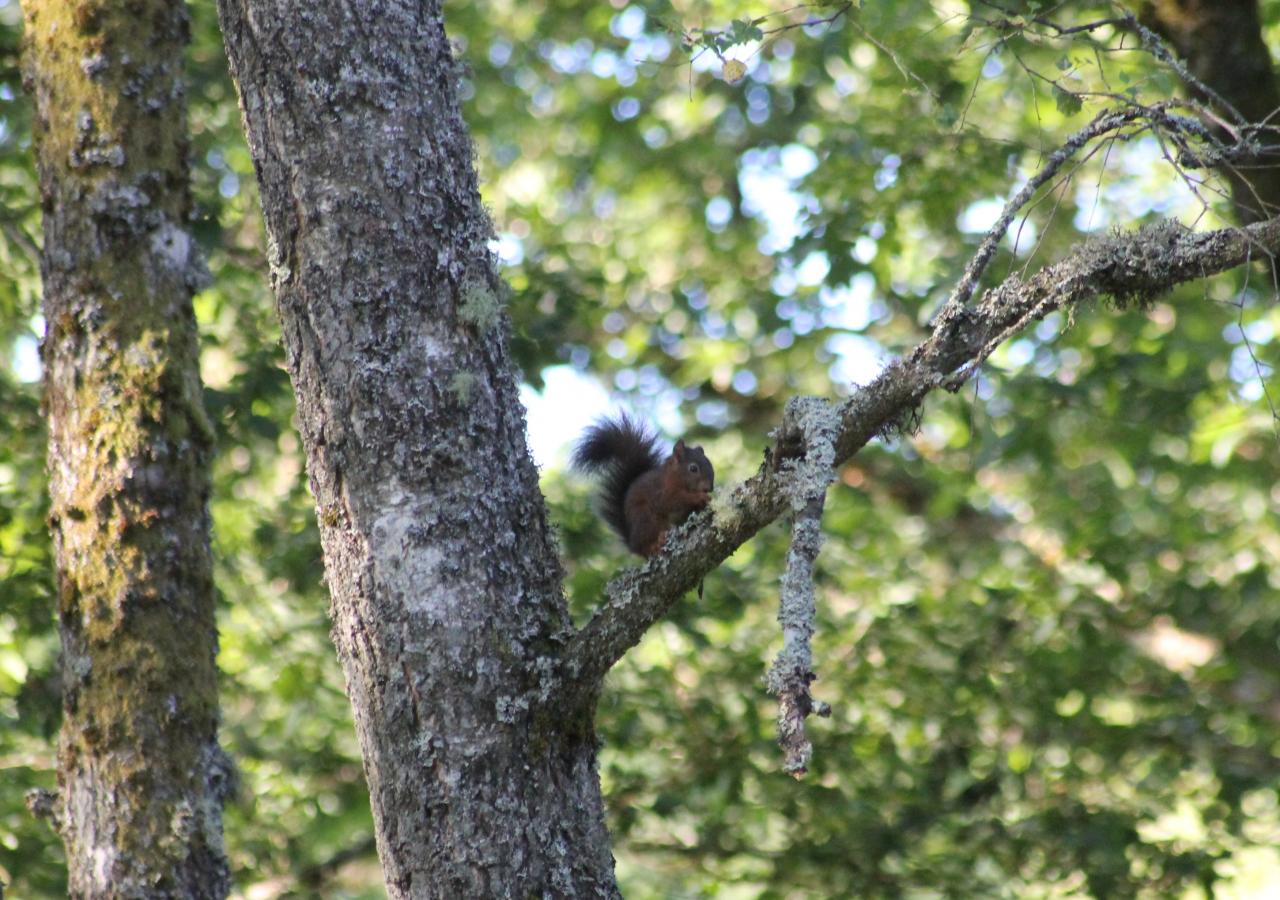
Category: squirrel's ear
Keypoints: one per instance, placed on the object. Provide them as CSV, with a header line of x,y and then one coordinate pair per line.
x,y
679,451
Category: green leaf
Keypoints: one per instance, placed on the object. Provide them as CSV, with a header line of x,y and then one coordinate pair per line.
x,y
1068,103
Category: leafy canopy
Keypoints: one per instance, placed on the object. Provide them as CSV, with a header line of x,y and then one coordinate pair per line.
x,y
1047,619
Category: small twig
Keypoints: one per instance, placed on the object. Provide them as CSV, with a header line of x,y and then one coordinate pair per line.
x,y
710,39
1258,364
315,875
1156,46
13,231
1103,123
907,74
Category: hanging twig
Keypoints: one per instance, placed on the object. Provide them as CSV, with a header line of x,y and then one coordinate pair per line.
x,y
807,470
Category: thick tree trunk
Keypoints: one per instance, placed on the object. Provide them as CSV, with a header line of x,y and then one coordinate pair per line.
x,y
140,774
447,603
446,590
1221,41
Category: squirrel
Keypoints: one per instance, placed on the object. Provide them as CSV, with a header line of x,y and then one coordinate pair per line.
x,y
642,494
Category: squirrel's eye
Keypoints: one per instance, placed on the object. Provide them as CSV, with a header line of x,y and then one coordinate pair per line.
x,y
693,467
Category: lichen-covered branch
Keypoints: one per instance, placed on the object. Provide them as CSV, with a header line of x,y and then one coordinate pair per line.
x,y
792,671
1178,121
1106,122
807,475
1131,267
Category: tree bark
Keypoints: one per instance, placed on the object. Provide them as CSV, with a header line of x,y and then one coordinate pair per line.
x,y
447,602
1221,41
140,774
473,697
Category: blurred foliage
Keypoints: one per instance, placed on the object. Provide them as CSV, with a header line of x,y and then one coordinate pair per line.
x,y
1048,619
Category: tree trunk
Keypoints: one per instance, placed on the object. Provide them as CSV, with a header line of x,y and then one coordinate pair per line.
x,y
447,602
473,697
1221,40
140,773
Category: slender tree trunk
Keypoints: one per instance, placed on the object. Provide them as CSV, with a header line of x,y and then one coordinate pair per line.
x,y
140,773
446,591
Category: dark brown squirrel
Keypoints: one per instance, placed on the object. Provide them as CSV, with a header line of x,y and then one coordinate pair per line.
x,y
642,494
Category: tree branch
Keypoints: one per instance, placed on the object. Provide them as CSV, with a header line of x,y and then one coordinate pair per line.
x,y
1163,116
1132,268
791,674
792,671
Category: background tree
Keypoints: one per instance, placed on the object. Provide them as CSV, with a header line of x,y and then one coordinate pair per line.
x,y
1043,623
1224,50
140,775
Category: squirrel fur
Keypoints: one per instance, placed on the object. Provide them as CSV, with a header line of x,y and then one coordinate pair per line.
x,y
643,494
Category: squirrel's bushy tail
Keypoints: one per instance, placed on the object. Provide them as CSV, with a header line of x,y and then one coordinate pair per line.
x,y
623,450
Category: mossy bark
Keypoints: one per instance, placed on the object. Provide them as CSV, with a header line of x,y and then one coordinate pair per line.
x,y
140,773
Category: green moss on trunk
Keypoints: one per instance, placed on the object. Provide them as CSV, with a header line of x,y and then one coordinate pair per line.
x,y
140,776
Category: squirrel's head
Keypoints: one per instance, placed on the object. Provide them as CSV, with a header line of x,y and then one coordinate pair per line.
x,y
695,469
